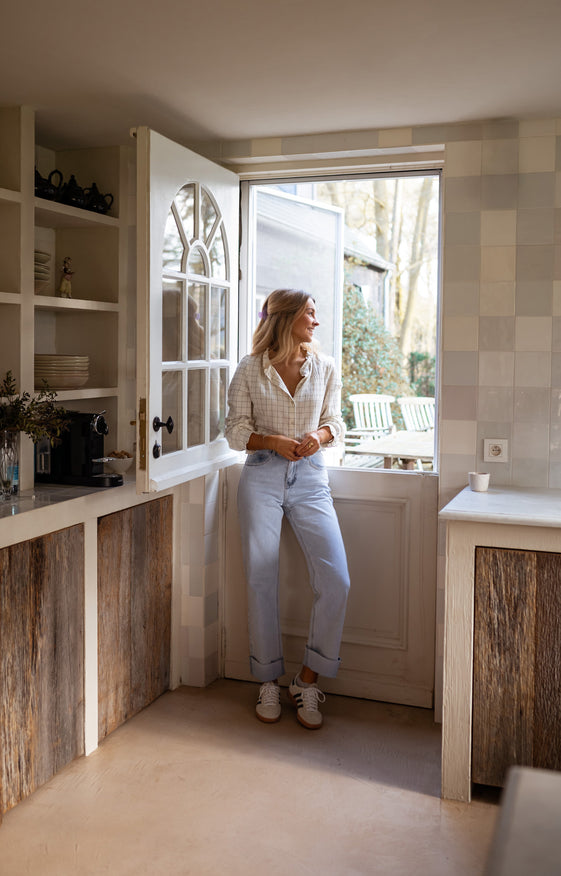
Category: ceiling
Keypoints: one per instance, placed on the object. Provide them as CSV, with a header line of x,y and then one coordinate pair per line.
x,y
226,70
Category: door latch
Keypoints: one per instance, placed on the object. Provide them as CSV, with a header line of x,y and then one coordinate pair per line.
x,y
142,434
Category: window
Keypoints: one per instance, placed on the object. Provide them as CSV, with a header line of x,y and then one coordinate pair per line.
x,y
366,248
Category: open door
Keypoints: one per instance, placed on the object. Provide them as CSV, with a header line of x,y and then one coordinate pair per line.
x,y
187,271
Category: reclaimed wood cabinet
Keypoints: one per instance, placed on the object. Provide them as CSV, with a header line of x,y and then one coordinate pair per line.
x,y
517,662
134,609
41,660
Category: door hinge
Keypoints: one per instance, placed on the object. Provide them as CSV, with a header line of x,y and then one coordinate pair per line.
x,y
142,434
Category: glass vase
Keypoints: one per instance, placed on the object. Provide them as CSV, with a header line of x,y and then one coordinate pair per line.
x,y
9,464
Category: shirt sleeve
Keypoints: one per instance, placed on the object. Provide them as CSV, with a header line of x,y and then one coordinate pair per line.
x,y
239,421
331,409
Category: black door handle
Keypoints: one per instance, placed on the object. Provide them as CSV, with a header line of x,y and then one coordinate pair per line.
x,y
158,424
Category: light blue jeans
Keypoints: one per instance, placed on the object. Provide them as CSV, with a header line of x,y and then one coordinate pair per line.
x,y
270,487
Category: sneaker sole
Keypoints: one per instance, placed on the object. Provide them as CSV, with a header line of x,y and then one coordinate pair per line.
x,y
267,720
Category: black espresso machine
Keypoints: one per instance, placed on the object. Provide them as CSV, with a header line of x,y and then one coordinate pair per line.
x,y
79,458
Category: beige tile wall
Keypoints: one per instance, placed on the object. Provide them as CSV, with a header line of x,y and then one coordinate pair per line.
x,y
198,649
500,304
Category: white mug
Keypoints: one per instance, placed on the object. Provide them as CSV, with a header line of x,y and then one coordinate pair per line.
x,y
478,481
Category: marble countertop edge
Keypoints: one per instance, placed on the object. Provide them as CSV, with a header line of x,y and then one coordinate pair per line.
x,y
526,506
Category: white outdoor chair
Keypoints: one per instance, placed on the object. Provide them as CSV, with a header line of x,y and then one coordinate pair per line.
x,y
418,413
373,418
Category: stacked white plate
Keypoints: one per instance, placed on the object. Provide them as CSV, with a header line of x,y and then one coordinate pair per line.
x,y
61,372
42,270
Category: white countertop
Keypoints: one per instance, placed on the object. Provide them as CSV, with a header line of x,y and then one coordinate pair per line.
x,y
43,495
509,505
50,507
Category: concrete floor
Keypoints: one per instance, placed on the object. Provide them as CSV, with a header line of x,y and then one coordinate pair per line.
x,y
196,785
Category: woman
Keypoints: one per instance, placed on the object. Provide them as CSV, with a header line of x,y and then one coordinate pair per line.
x,y
283,407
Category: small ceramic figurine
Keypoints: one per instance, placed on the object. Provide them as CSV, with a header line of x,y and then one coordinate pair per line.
x,y
65,288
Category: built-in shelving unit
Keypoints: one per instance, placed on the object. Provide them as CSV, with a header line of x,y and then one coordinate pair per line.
x,y
34,318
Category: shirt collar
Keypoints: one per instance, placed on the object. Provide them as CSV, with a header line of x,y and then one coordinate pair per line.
x,y
272,373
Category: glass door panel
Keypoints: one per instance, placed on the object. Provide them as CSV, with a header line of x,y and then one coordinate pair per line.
x,y
218,257
173,245
185,201
209,216
218,390
172,394
195,407
172,320
196,263
218,326
196,321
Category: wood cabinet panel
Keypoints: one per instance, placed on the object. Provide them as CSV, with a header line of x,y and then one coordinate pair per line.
x,y
547,709
113,618
41,660
517,675
134,609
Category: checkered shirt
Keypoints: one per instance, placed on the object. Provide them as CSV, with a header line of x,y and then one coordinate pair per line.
x,y
258,401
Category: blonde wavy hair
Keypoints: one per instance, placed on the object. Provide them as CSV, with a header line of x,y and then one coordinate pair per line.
x,y
274,332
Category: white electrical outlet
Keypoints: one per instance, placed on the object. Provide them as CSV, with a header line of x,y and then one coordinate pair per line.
x,y
495,450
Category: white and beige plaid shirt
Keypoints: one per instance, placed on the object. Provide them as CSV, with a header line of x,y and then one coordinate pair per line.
x,y
259,401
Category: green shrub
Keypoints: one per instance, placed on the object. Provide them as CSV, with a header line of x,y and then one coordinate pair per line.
x,y
371,358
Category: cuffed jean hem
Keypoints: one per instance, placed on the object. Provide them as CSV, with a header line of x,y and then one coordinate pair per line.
x,y
320,664
266,671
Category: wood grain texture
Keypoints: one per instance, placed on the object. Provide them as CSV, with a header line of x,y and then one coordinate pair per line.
x,y
134,609
114,627
41,660
151,600
547,708
504,656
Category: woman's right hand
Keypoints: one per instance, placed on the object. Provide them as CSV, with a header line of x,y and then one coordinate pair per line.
x,y
284,446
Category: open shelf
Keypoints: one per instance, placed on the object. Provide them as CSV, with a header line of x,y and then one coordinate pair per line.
x,y
66,395
51,302
10,195
51,214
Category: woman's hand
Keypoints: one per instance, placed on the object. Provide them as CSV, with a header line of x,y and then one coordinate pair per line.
x,y
284,446
309,444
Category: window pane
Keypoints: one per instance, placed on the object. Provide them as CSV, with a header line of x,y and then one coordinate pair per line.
x,y
196,320
185,203
195,407
367,251
218,388
196,262
218,257
208,216
300,247
172,320
218,311
173,245
171,406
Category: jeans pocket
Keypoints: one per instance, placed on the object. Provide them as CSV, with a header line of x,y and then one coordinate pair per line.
x,y
259,457
317,461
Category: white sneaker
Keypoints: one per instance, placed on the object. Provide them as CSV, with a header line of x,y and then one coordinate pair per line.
x,y
268,708
307,700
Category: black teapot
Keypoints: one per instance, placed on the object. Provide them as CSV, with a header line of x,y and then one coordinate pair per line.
x,y
96,201
48,187
72,194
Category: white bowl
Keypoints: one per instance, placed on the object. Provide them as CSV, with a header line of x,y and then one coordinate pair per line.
x,y
119,464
